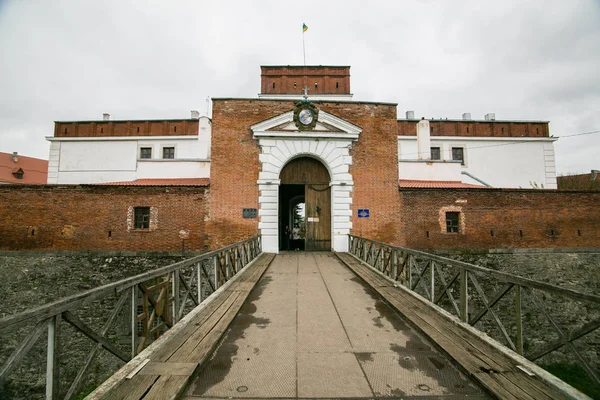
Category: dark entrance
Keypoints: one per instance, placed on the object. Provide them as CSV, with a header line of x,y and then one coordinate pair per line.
x,y
305,198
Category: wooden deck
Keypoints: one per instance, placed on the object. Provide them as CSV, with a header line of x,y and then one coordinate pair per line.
x,y
491,368
169,368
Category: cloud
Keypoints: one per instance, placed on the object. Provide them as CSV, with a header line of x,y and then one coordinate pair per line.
x,y
71,60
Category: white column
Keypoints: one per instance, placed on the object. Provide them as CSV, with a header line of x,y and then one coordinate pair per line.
x,y
423,140
269,214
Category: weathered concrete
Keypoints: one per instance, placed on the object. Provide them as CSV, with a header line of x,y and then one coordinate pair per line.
x,y
312,329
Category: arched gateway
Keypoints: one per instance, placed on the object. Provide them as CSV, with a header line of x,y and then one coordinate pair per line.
x,y
305,181
319,154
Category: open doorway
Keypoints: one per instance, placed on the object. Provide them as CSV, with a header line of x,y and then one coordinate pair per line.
x,y
292,213
304,206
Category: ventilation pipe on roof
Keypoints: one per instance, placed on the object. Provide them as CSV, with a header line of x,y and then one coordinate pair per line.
x,y
15,156
467,116
195,114
105,117
490,117
410,115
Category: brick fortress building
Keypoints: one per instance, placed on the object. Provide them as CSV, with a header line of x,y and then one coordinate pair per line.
x,y
305,146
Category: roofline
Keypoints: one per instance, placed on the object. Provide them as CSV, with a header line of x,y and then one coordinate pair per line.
x,y
496,189
312,101
517,121
131,120
304,66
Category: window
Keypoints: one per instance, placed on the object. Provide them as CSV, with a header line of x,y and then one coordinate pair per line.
x,y
141,218
168,153
435,153
294,85
458,155
145,152
452,222
337,85
273,85
316,86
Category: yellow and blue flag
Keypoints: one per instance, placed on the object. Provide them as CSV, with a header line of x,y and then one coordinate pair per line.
x,y
304,28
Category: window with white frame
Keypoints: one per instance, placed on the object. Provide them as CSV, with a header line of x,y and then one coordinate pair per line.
x,y
145,153
168,153
458,154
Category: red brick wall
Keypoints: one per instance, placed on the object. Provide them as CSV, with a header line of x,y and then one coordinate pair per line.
x,y
79,218
179,127
235,166
477,128
329,80
519,218
374,167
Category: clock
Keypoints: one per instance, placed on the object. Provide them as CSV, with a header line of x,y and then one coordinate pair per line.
x,y
305,117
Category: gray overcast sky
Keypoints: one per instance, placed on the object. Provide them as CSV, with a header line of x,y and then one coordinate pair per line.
x,y
75,59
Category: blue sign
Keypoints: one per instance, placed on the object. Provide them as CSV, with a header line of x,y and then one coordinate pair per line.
x,y
363,213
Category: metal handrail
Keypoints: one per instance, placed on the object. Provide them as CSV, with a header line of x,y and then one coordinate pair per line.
x,y
76,300
435,278
165,295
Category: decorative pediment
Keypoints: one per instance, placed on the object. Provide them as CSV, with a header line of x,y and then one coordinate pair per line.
x,y
326,126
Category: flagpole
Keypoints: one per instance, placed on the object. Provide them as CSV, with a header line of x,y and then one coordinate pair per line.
x,y
303,48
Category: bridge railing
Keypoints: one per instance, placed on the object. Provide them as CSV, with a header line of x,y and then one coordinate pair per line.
x,y
500,304
139,308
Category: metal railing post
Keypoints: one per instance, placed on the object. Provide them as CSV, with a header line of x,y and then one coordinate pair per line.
x,y
133,321
199,281
52,379
519,319
409,258
216,272
432,268
464,300
175,286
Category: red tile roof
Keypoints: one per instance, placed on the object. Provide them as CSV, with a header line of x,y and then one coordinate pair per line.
x,y
164,182
406,183
35,170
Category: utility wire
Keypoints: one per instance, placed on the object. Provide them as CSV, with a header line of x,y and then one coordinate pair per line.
x,y
512,142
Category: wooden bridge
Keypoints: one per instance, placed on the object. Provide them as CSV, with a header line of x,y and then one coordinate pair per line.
x,y
377,322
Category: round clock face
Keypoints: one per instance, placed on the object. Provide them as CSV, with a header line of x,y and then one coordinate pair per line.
x,y
305,117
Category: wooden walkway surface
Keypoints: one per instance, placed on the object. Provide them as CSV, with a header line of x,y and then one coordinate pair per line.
x,y
170,367
491,368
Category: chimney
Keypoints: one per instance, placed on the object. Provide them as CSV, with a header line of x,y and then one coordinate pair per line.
x,y
490,117
466,116
195,114
15,157
410,115
423,140
105,117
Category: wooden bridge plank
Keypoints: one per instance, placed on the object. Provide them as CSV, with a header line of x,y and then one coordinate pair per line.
x,y
167,387
194,343
476,356
132,389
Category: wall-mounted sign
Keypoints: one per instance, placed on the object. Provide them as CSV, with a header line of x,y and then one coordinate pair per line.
x,y
313,219
249,213
363,213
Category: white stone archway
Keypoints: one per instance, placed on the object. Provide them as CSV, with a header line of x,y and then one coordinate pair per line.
x,y
330,143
